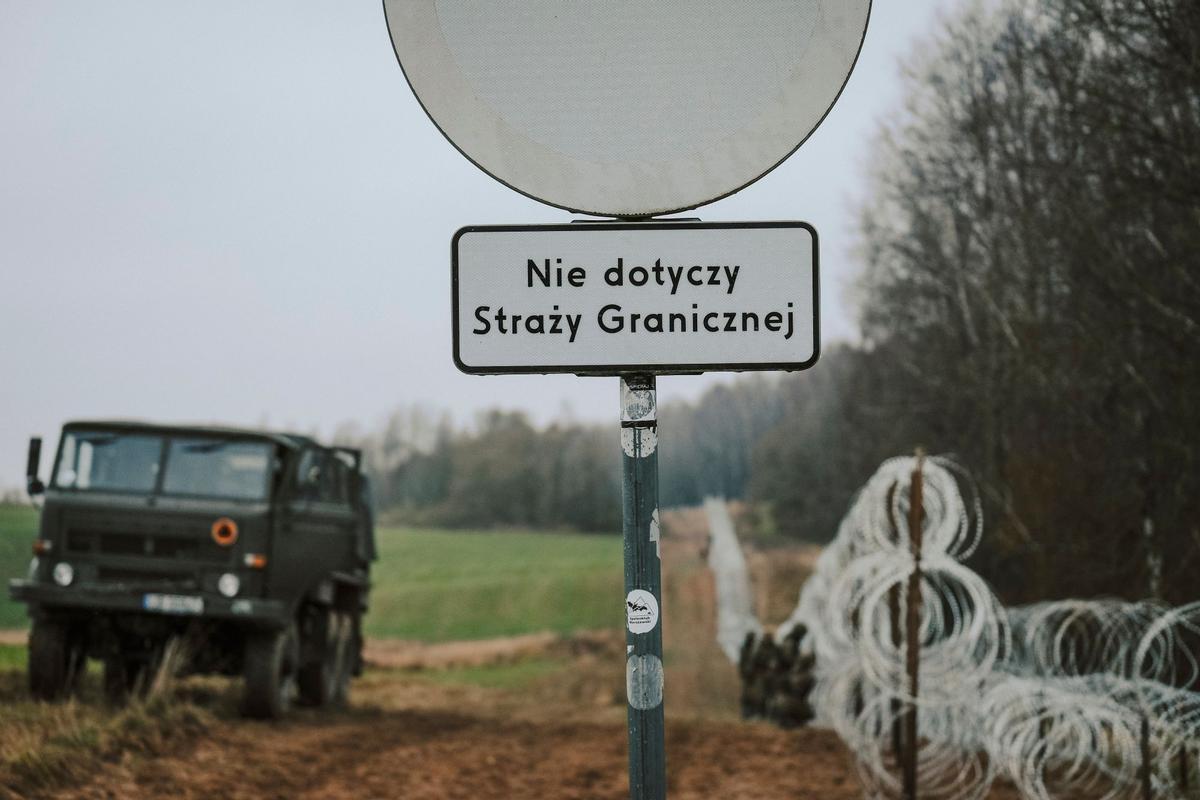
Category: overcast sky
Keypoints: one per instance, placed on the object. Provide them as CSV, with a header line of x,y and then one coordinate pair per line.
x,y
237,212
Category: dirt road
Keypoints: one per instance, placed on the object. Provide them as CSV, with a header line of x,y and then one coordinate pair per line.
x,y
410,734
409,739
524,717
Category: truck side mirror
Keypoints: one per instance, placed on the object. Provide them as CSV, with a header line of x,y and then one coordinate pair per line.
x,y
32,484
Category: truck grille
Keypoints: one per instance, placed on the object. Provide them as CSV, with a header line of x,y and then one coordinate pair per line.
x,y
124,544
148,578
108,543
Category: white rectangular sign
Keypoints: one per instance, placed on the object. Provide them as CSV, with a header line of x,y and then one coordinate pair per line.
x,y
651,297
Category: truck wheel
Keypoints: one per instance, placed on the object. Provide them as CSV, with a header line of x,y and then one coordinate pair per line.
x,y
326,680
56,659
270,674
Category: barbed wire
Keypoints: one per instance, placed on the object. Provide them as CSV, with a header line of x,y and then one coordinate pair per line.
x,y
1068,698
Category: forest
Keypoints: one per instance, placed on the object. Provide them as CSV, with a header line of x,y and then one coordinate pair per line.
x,y
1029,303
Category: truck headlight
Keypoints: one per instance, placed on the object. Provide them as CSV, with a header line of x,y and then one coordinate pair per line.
x,y
229,584
64,573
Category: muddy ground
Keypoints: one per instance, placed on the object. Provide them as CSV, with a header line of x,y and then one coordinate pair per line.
x,y
406,736
410,733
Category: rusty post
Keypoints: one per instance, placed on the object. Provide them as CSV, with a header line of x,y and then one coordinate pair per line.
x,y
1044,721
1147,786
1044,733
912,634
894,623
855,623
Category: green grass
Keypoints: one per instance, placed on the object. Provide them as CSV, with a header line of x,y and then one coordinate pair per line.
x,y
438,585
18,528
517,675
442,585
12,657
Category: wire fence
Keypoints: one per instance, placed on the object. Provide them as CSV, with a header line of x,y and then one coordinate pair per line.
x,y
939,690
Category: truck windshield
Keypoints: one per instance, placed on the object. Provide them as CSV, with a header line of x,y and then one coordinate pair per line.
x,y
233,469
105,461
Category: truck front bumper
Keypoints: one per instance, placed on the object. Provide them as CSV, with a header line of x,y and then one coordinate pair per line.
x,y
121,599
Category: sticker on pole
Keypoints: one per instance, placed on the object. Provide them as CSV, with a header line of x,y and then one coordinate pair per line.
x,y
616,298
641,611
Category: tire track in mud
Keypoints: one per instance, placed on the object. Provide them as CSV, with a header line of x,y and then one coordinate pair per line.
x,y
295,758
436,755
563,738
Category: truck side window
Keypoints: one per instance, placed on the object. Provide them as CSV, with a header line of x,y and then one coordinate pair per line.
x,y
322,477
308,476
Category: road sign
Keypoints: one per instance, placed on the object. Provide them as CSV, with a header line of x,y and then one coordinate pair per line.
x,y
631,109
645,297
627,108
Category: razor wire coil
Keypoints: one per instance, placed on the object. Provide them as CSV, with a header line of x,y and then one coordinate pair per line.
x,y
1064,699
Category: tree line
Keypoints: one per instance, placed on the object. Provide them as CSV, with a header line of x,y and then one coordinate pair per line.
x,y
1030,297
1030,303
498,471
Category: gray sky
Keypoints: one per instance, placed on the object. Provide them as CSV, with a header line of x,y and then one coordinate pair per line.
x,y
234,211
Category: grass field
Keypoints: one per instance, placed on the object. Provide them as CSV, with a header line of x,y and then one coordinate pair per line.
x,y
440,585
18,527
11,657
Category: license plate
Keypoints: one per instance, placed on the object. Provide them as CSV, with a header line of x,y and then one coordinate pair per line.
x,y
173,603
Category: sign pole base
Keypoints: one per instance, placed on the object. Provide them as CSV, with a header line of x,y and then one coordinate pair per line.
x,y
643,588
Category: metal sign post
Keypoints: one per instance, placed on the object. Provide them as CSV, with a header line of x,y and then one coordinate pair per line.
x,y
621,115
637,300
643,588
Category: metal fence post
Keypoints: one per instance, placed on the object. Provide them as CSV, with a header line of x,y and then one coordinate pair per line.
x,y
858,686
643,588
916,517
1147,785
897,635
1184,777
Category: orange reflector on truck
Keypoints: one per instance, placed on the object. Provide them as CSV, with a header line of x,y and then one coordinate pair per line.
x,y
224,531
41,547
255,560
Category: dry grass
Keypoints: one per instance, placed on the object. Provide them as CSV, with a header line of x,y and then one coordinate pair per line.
x,y
49,745
702,681
777,575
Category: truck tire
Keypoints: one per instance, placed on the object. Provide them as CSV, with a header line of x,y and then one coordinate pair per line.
x,y
56,659
325,681
270,674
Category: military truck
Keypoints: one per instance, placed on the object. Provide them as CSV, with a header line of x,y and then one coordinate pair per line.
x,y
237,551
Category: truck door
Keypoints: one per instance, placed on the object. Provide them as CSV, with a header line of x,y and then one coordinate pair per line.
x,y
317,528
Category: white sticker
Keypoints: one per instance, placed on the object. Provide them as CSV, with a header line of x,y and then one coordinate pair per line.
x,y
641,611
644,682
629,441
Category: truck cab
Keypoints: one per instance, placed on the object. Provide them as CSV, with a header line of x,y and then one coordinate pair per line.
x,y
229,550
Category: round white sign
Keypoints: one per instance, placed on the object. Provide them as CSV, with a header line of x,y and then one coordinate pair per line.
x,y
627,108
